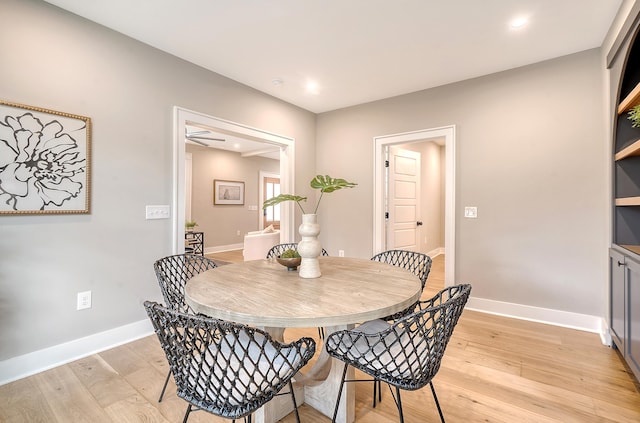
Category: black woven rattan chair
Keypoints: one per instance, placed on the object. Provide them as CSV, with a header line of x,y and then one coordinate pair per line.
x,y
407,354
276,250
227,369
173,272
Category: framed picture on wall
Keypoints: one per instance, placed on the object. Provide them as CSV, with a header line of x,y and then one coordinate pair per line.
x,y
45,159
228,192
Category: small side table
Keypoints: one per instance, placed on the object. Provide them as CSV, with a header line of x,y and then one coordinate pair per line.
x,y
194,243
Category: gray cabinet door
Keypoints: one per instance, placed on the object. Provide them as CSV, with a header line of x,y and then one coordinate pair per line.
x,y
617,318
633,316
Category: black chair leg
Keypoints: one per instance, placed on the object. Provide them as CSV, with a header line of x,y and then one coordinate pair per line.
x,y
186,415
435,397
377,387
344,375
293,398
164,388
399,404
375,390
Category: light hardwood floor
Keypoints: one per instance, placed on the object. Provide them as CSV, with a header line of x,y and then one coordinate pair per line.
x,y
495,369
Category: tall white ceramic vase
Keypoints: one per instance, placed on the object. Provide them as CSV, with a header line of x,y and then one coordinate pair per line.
x,y
309,247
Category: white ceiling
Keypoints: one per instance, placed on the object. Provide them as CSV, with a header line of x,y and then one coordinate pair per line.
x,y
355,50
232,142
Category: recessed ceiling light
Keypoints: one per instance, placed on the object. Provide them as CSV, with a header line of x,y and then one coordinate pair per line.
x,y
519,22
236,146
312,87
277,82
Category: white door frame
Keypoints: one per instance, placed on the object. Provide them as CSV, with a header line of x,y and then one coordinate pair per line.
x,y
449,134
182,117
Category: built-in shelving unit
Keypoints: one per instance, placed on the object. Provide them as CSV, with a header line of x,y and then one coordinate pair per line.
x,y
624,255
194,243
626,152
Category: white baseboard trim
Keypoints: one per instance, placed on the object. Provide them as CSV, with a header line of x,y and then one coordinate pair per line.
x,y
436,252
38,361
583,322
605,334
221,248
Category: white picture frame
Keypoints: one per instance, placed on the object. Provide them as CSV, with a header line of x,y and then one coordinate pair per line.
x,y
228,192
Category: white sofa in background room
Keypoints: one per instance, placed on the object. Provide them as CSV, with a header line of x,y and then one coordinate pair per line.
x,y
258,243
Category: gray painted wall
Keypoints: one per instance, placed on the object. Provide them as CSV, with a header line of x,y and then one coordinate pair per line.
x,y
530,145
210,164
55,60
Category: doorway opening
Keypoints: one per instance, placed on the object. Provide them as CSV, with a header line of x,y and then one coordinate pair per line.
x,y
403,198
181,120
269,188
381,145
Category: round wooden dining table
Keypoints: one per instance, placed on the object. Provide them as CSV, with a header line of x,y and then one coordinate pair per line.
x,y
265,294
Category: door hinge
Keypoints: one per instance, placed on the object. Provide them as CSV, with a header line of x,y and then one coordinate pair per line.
x,y
386,215
386,163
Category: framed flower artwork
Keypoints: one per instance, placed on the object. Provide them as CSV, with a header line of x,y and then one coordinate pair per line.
x,y
45,159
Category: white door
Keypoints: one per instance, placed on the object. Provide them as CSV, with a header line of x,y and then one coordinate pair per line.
x,y
403,223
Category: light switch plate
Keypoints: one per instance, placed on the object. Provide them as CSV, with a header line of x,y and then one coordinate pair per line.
x,y
471,212
158,212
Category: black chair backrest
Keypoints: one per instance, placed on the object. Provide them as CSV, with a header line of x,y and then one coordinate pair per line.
x,y
225,368
417,263
425,334
173,272
408,353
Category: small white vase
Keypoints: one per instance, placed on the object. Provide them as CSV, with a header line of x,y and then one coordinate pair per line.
x,y
309,247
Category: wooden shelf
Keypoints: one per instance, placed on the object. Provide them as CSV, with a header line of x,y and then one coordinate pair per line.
x,y
632,248
630,151
629,101
194,242
628,201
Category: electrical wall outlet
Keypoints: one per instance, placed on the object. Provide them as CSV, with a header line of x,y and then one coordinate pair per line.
x,y
238,232
471,212
84,300
340,253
